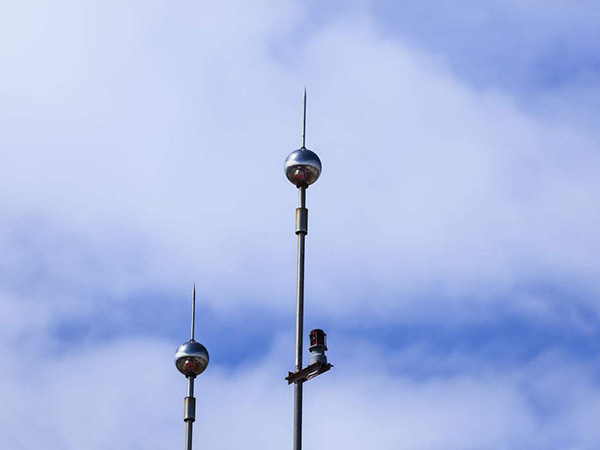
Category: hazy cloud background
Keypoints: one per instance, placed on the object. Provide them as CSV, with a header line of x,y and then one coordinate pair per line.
x,y
452,254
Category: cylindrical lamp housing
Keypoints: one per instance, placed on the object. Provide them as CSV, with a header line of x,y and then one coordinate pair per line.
x,y
318,346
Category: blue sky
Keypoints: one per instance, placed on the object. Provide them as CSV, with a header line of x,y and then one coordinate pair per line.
x,y
452,254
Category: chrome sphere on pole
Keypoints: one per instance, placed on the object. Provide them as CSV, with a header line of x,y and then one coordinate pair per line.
x,y
191,358
302,167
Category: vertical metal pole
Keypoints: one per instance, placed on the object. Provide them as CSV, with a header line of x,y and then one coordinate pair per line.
x,y
301,231
189,415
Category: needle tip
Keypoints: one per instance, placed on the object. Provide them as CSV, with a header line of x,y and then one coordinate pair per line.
x,y
304,122
193,311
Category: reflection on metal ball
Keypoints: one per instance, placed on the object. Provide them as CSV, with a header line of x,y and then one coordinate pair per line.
x,y
302,167
191,358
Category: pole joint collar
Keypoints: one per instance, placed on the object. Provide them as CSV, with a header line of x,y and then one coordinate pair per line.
x,y
302,221
189,409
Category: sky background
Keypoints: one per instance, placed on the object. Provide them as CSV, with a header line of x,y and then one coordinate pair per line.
x,y
453,248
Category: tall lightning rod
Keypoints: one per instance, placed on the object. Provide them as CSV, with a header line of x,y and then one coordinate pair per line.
x,y
303,167
304,123
191,359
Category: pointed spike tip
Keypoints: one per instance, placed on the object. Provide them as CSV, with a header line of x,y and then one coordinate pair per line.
x,y
304,122
193,311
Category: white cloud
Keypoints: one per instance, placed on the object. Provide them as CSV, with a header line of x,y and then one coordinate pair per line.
x,y
142,148
127,395
430,188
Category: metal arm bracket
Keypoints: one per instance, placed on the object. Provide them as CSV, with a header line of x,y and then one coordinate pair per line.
x,y
308,373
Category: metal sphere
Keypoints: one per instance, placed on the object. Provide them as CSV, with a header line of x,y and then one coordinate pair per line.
x,y
302,167
191,358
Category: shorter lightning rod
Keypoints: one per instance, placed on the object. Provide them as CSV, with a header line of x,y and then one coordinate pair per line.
x,y
191,359
303,167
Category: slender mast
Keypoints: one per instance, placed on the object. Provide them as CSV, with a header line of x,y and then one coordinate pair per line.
x,y
191,359
302,168
190,400
301,231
